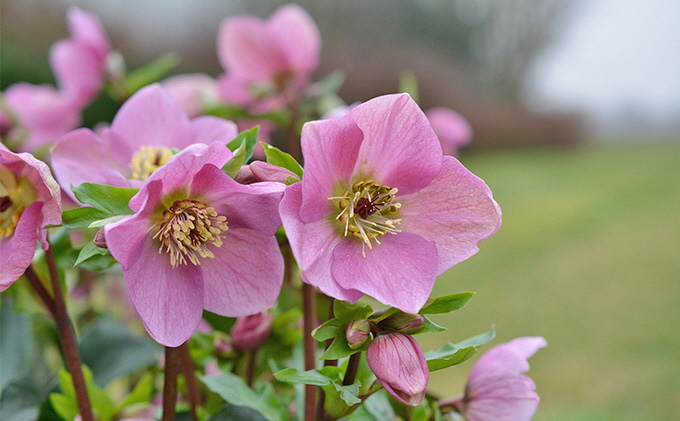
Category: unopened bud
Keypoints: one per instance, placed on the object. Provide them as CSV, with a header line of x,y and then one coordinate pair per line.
x,y
404,323
99,239
357,333
250,332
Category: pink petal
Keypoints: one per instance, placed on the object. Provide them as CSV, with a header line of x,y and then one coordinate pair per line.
x,y
297,36
78,70
456,211
330,148
512,399
399,148
86,28
16,251
451,128
192,91
399,272
246,274
152,117
209,129
504,360
312,245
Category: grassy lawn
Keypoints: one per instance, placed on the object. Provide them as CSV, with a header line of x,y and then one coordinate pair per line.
x,y
588,257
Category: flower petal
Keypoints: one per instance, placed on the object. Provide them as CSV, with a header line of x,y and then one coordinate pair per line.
x,y
456,211
17,250
246,274
208,129
297,36
399,272
400,149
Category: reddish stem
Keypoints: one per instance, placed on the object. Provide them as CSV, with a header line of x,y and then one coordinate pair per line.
x,y
309,306
172,358
189,372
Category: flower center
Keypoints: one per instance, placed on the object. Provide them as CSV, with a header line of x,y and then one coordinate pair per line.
x,y
148,159
15,196
368,211
186,230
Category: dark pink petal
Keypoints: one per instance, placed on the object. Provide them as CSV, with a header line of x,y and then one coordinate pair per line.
x,y
249,332
100,166
399,364
399,149
297,37
152,117
330,148
16,251
451,128
209,129
246,50
456,211
47,188
262,171
312,245
253,206
246,274
399,272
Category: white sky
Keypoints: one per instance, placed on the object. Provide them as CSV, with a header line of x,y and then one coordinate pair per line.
x,y
617,54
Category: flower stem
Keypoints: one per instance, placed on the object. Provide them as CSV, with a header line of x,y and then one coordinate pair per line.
x,y
352,369
40,289
172,357
67,337
309,306
189,372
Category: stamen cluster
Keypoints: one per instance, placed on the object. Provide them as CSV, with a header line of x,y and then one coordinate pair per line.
x,y
186,230
15,195
368,211
148,159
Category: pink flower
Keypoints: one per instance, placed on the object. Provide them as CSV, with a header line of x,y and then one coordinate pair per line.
x,y
249,332
379,210
198,240
140,140
267,56
192,91
399,364
452,129
29,200
496,389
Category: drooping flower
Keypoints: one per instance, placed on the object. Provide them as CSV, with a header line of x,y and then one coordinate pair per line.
x,y
399,364
141,139
30,199
40,114
192,91
266,58
198,240
496,389
249,332
380,211
451,128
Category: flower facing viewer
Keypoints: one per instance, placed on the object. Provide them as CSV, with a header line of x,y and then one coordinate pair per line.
x,y
380,211
496,389
198,240
30,199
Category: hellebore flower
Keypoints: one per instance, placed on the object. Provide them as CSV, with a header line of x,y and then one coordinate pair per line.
x,y
30,199
140,140
380,211
249,332
192,91
198,240
399,364
496,389
451,128
267,57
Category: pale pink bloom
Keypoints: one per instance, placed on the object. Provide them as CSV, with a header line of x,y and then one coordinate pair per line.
x,y
452,129
380,211
142,137
400,366
29,201
496,389
249,332
267,57
198,240
192,91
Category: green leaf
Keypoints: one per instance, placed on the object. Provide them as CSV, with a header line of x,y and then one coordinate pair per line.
x,y
247,137
142,392
235,391
88,251
347,312
349,394
431,327
82,217
452,354
447,303
66,407
328,330
313,377
109,199
276,156
150,73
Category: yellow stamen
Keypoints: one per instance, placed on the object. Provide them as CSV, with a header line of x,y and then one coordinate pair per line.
x,y
16,193
148,159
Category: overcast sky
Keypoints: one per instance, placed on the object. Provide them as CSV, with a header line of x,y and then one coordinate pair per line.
x,y
617,54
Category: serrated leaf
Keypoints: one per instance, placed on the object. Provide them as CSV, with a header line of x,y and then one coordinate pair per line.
x,y
329,329
88,251
292,375
447,303
232,167
276,156
346,312
81,217
235,391
349,394
109,199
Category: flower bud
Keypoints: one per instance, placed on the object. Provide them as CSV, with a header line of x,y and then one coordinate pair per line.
x,y
357,333
399,364
99,239
249,332
404,323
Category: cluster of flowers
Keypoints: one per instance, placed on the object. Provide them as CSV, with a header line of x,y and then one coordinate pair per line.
x,y
381,208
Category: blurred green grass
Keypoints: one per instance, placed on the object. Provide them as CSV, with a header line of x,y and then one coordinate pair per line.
x,y
588,257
